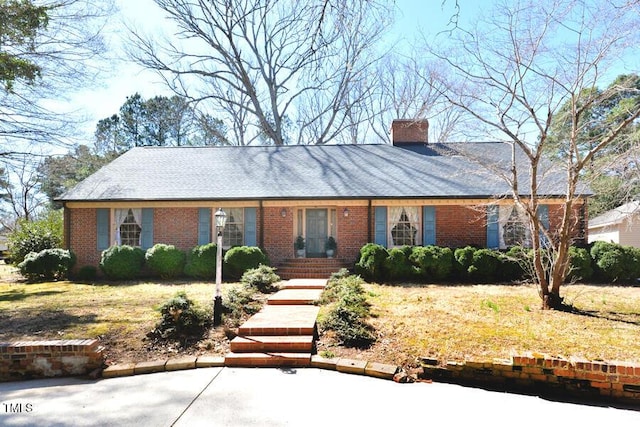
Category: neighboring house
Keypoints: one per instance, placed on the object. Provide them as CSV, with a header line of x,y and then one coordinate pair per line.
x,y
408,193
620,225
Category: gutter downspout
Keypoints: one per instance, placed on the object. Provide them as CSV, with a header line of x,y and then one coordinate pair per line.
x,y
261,234
369,218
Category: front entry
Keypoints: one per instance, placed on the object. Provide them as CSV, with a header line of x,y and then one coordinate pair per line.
x,y
316,232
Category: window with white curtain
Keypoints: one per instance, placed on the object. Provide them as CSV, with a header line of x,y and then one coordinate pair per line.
x,y
513,227
404,226
128,226
233,234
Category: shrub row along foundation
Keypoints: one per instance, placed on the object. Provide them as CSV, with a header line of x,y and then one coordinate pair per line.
x,y
57,358
567,377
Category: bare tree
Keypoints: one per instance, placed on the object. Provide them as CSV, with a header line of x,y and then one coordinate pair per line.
x,y
20,190
278,69
63,50
514,71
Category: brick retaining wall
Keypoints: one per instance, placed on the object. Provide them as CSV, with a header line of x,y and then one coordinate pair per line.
x,y
574,376
57,358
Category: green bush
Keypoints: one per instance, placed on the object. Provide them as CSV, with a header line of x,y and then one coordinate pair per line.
x,y
397,265
433,262
463,260
35,236
87,273
165,260
347,317
122,262
239,259
370,265
201,262
181,320
48,264
485,266
615,262
580,264
239,303
262,278
515,263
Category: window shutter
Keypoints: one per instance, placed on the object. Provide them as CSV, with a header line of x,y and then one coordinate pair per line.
x,y
428,225
493,229
380,225
204,226
102,228
543,215
250,227
146,239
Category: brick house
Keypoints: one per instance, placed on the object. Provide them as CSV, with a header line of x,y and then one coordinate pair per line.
x,y
412,192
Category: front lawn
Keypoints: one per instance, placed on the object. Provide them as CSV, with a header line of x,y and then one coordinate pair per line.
x,y
449,322
471,322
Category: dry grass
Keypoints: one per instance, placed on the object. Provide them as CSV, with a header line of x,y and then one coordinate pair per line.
x,y
448,322
460,322
120,315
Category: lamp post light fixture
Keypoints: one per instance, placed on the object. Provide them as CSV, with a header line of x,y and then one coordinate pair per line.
x,y
221,221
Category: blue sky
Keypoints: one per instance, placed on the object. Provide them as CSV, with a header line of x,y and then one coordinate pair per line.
x,y
125,79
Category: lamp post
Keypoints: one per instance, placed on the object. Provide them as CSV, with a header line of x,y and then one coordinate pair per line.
x,y
221,220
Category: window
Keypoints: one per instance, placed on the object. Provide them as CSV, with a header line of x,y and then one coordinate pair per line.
x,y
404,224
128,226
514,231
233,232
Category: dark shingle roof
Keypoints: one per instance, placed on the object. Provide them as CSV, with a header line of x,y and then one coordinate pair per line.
x,y
299,172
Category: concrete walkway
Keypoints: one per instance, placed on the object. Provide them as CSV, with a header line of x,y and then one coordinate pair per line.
x,y
281,397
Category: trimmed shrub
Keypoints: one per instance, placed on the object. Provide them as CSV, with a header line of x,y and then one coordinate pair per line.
x,y
261,278
35,236
433,262
370,265
347,317
48,264
463,260
397,265
122,262
580,264
485,265
181,320
165,260
514,263
239,259
239,303
614,262
87,273
201,262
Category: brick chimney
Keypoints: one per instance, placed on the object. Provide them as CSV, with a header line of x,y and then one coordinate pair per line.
x,y
409,131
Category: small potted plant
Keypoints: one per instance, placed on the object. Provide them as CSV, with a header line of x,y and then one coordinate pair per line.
x,y
330,247
299,247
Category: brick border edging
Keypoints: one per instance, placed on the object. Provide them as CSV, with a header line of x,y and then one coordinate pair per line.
x,y
350,366
573,376
52,358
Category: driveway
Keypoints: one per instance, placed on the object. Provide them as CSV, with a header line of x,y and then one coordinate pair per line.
x,y
280,397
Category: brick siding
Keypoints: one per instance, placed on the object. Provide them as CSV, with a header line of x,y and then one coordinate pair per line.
x,y
456,226
459,226
83,237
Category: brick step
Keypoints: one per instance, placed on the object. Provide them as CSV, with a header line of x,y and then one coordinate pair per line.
x,y
268,359
295,297
282,320
286,275
303,284
268,344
